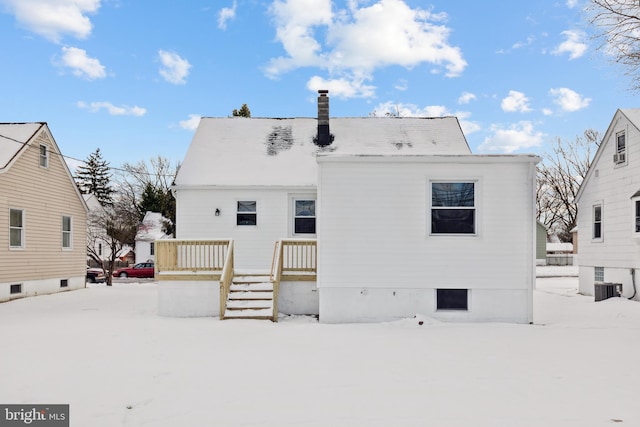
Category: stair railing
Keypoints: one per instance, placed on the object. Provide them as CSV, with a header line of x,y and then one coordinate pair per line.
x,y
276,274
226,277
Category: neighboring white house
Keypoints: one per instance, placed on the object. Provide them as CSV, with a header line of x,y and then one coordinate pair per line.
x,y
151,229
406,219
609,209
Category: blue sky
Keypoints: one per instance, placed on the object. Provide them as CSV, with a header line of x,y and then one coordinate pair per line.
x,y
132,77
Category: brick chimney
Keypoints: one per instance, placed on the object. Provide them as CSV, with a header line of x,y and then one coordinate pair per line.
x,y
324,137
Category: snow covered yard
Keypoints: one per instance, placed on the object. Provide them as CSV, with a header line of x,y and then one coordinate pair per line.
x,y
106,353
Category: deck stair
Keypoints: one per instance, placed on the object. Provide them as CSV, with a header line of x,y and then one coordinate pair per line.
x,y
250,297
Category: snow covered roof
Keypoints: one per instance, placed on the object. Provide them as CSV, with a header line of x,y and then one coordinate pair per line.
x,y
633,114
152,227
230,151
13,136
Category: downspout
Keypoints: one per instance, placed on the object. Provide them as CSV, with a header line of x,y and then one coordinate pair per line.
x,y
633,282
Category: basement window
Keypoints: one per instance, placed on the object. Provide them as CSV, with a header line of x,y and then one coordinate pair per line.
x,y
452,299
15,289
64,283
247,213
598,274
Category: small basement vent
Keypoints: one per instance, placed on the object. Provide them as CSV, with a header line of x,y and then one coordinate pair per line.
x,y
603,291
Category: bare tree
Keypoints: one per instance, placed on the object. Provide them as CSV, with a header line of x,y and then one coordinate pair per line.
x,y
559,177
112,228
138,179
617,24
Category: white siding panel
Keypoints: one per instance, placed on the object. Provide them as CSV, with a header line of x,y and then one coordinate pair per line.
x,y
373,227
196,219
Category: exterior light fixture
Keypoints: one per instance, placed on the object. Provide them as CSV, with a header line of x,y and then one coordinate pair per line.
x,y
217,212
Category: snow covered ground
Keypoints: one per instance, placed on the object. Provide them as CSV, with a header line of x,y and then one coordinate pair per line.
x,y
106,353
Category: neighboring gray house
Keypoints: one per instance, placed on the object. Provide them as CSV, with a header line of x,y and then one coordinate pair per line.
x,y
609,209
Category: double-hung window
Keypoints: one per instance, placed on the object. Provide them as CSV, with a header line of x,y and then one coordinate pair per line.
x,y
247,213
44,156
304,221
597,222
16,228
620,156
66,232
453,207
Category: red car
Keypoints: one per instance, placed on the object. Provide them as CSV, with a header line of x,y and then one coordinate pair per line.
x,y
141,269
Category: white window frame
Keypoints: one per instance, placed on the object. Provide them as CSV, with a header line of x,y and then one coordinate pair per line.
x,y
292,209
68,233
43,155
600,222
21,228
475,207
238,212
635,216
598,273
620,156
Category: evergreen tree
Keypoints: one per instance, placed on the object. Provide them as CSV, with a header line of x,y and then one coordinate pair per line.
x,y
94,177
151,200
244,111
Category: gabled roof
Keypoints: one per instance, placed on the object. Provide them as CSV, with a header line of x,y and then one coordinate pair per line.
x,y
13,138
16,137
633,116
281,152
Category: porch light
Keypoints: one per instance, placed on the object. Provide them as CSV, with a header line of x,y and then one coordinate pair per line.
x,y
217,212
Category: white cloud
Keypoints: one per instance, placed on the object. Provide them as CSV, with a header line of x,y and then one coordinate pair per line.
x,y
518,136
123,110
82,65
410,110
466,98
528,42
174,69
401,85
346,87
569,100
574,45
191,123
515,102
357,40
226,14
547,111
572,3
54,18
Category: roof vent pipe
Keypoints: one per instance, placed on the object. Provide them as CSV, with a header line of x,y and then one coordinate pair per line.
x,y
324,137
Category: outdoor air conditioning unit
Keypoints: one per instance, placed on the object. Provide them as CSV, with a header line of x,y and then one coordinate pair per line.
x,y
603,291
619,158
